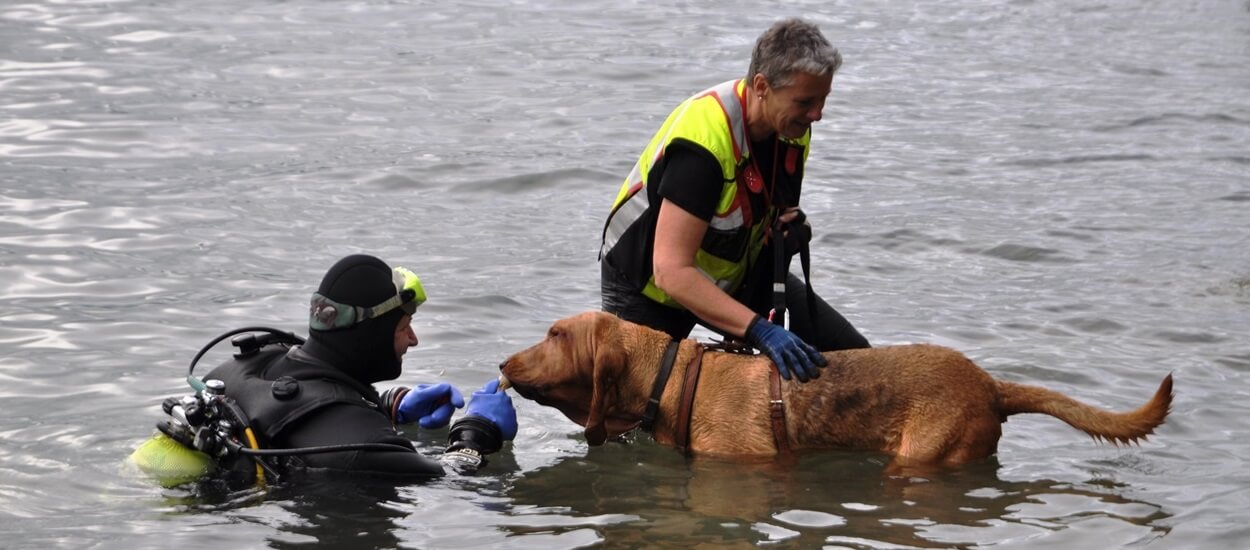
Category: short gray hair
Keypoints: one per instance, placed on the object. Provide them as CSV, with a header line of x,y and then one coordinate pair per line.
x,y
792,46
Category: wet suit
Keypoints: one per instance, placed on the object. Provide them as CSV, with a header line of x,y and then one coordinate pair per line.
x,y
321,393
314,404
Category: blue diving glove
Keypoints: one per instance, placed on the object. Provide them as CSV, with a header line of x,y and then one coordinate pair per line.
x,y
789,352
430,404
495,406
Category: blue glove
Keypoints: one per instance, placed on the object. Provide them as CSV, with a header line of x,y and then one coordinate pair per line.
x,y
495,406
430,404
789,352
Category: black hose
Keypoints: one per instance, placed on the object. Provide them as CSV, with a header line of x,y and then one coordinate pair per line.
x,y
326,449
282,336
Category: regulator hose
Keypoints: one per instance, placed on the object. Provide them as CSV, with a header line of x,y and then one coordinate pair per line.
x,y
325,449
274,336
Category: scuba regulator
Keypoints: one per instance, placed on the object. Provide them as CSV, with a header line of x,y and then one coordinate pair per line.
x,y
208,427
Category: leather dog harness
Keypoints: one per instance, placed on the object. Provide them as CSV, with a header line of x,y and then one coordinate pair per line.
x,y
687,399
776,406
777,410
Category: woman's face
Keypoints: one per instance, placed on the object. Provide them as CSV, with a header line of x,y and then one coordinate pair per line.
x,y
792,110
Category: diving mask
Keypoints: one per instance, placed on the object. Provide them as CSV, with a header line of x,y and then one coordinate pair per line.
x,y
327,314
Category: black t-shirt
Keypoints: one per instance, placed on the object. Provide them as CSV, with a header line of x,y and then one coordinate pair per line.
x,y
690,177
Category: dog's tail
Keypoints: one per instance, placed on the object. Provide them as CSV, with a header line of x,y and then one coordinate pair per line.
x,y
1117,428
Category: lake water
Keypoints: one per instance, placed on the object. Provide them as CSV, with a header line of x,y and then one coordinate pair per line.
x,y
1059,189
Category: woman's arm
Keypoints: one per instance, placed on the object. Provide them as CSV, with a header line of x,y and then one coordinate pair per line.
x,y
678,235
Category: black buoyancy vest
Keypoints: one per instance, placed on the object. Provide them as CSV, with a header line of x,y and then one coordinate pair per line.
x,y
274,402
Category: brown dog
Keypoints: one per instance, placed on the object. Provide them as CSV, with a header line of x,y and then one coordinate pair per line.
x,y
924,404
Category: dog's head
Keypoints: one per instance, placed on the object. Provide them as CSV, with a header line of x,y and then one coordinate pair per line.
x,y
574,369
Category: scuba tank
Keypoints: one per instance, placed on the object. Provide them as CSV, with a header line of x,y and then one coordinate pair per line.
x,y
207,431
170,462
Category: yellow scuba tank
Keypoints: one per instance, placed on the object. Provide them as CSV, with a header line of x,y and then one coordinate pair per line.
x,y
169,462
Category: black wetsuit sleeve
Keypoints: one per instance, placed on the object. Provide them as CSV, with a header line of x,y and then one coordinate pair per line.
x,y
346,424
691,179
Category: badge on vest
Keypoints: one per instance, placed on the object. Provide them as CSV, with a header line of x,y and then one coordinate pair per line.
x,y
755,180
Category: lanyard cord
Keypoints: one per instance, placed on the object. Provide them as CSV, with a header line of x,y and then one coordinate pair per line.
x,y
769,189
778,312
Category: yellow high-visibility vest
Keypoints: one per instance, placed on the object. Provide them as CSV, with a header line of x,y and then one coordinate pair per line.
x,y
715,120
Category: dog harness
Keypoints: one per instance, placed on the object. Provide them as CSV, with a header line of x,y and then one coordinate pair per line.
x,y
690,383
687,399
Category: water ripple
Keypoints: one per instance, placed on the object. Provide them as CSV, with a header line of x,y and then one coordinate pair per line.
x,y
1169,118
1025,253
1081,159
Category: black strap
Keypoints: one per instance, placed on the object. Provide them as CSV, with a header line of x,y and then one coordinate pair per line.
x,y
657,389
685,406
778,315
780,273
805,259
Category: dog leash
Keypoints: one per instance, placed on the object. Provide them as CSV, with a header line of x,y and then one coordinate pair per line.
x,y
657,389
778,313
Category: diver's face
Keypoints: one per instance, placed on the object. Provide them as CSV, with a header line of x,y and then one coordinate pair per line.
x,y
405,337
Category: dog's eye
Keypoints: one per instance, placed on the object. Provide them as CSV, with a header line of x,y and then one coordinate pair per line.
x,y
554,333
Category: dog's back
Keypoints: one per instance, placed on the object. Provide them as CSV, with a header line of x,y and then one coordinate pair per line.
x,y
894,399
931,404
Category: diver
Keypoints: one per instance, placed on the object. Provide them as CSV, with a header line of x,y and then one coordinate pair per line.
x,y
311,405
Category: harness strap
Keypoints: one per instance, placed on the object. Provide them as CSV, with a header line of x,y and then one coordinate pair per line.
x,y
777,410
657,389
686,407
776,406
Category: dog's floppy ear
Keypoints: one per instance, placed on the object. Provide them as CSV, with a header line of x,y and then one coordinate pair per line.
x,y
609,362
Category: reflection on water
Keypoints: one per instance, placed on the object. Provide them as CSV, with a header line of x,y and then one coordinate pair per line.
x,y
830,497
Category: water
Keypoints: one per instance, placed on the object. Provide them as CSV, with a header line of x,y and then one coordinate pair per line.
x,y
1059,190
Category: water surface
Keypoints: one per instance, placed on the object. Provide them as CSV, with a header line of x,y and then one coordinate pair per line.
x,y
1059,190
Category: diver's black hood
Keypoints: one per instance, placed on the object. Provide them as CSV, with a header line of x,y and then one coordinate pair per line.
x,y
365,351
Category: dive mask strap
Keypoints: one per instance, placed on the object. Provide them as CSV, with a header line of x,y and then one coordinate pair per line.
x,y
327,314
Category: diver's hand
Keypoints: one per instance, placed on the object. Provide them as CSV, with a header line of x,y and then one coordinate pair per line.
x,y
496,406
430,405
489,421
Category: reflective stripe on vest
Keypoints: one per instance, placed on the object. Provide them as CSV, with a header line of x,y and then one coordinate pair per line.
x,y
632,199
